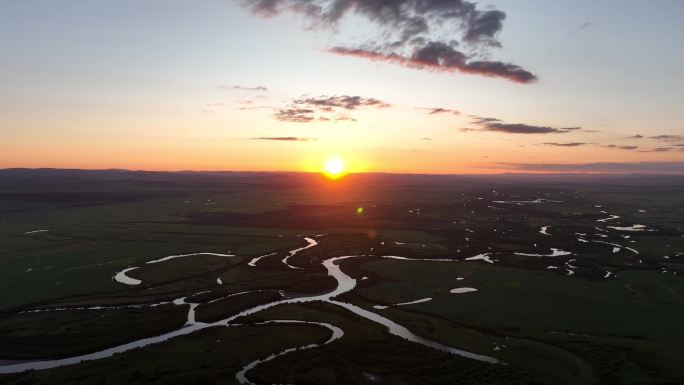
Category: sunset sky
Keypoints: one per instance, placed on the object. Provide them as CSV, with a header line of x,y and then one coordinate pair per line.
x,y
416,86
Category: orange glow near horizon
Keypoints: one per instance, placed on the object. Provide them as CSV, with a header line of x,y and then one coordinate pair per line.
x,y
175,151
334,168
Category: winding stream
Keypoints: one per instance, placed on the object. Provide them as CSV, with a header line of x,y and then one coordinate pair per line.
x,y
312,243
345,283
121,276
337,333
254,260
554,253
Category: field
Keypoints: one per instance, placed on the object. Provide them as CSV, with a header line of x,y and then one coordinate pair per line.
x,y
177,278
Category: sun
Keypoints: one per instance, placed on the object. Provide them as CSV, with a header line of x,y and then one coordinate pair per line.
x,y
334,168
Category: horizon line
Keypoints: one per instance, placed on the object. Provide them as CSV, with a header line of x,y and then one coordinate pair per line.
x,y
512,173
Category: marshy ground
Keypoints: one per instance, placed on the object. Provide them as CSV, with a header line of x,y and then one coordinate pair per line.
x,y
564,281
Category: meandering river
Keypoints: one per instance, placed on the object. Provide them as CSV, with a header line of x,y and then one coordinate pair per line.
x,y
345,283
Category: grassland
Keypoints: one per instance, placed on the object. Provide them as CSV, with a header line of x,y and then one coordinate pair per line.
x,y
570,324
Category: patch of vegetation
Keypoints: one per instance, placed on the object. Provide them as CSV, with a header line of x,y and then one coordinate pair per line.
x,y
223,308
54,334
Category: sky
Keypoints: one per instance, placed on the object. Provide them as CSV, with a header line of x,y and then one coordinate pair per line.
x,y
406,86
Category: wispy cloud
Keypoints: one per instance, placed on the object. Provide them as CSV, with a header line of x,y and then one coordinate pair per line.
x,y
326,108
423,34
620,147
575,31
439,110
285,138
243,88
578,144
569,144
327,103
601,167
668,138
483,120
496,125
295,115
440,57
658,149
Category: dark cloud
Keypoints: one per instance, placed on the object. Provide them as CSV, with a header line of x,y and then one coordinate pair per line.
x,y
425,138
658,149
439,110
578,144
604,167
401,19
621,147
343,101
326,108
637,136
499,69
243,88
285,138
668,138
484,26
295,115
496,125
420,34
441,57
481,120
569,144
520,128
